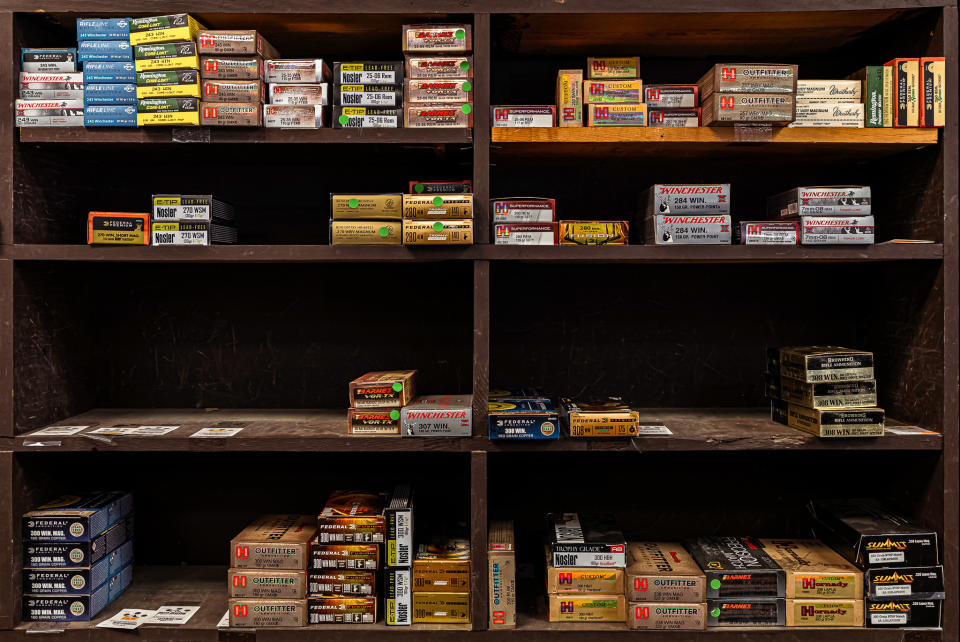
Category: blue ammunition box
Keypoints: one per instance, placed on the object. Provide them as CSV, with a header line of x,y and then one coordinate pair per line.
x,y
77,581
109,72
104,51
76,518
523,419
76,608
110,94
516,393
103,29
110,116
78,554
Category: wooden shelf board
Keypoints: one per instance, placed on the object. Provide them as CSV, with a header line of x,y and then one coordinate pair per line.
x,y
258,135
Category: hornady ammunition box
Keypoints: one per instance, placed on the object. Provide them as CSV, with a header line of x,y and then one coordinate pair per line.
x,y
814,570
398,597
104,51
110,94
438,90
613,67
587,608
234,91
671,96
430,232
737,567
241,42
746,612
79,554
118,228
829,91
376,422
274,542
258,613
673,117
192,233
686,199
169,83
345,582
753,78
524,116
109,72
79,581
524,210
352,117
832,612
170,28
932,95
339,609
607,417
173,207
813,364
522,419
366,206
103,29
662,616
898,614
906,90
594,232
438,38
438,67
586,540
299,94
570,97
565,579
768,233
502,575
245,68
616,115
905,583
830,422
366,233
168,111
438,416
368,72
727,109
441,187
819,114
526,233
399,516
438,115
384,389
442,567
293,116
169,55
836,230
368,95
826,394
353,517
362,557
295,71
441,608
48,60
76,608
663,572
275,585
231,114
613,91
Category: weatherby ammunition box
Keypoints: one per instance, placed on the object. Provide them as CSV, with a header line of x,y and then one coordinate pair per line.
x,y
169,55
613,91
352,117
441,187
177,83
737,567
374,422
673,117
524,210
274,585
104,51
671,96
832,91
118,228
353,517
753,78
609,417
686,199
326,582
430,232
586,608
565,579
906,91
768,233
434,206
366,206
438,115
526,233
664,616
813,364
398,597
234,91
616,115
399,517
60,60
831,422
359,557
192,233
368,72
437,38
431,607
168,111
257,613
523,116
663,572
383,389
76,608
522,419
238,42
438,67
243,68
727,109
904,583
438,90
932,95
836,230
613,67
825,114
368,95
77,581
502,575
898,614
814,570
594,232
339,609
366,233
826,394
293,116
833,612
312,70
274,542
169,28
103,29
301,94
109,72
746,612
438,416
231,114
570,98
586,540
688,230
79,554
174,207
437,569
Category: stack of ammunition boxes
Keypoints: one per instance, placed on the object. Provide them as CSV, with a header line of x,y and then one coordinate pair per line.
x,y
737,93
829,103
376,400
686,214
77,556
166,44
825,391
825,215
301,104
368,94
525,221
110,89
606,417
267,579
441,582
665,588
522,414
586,556
613,93
180,219
51,88
366,219
672,105
237,101
904,92
398,558
502,575
437,219
439,67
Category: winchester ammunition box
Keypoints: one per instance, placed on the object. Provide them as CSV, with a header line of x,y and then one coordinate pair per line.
x,y
727,109
168,84
836,230
436,569
607,417
524,210
368,95
671,96
905,583
170,28
663,572
437,38
813,364
53,94
242,68
374,422
231,114
826,394
906,91
586,540
78,581
399,517
663,616
438,115
726,78
831,422
898,614
104,51
274,585
358,117
76,608
522,419
441,187
438,67
274,542
932,93
523,116
56,555
686,199
833,91
594,232
109,72
832,613
441,608
48,60
239,42
737,567
430,232
814,570
293,116
296,71
384,389
366,206
169,55
67,80
565,579
360,557
301,94
366,233
338,609
261,614
570,98
502,575
823,114
438,416
746,612
436,206
616,115
342,582
66,118
118,228
368,72
673,117
192,233
110,94
613,91
234,91
398,597
39,108
174,207
438,90
103,29
168,111
613,67
526,233
353,517
586,608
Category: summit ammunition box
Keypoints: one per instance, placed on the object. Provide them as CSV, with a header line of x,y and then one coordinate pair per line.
x,y
616,115
831,91
430,232
831,422
905,583
566,579
608,417
169,28
274,542
234,91
339,609
48,60
264,584
737,567
341,582
77,581
312,70
225,68
300,94
384,389
586,540
587,608
360,117
368,72
906,90
177,83
570,98
827,394
594,232
382,207
118,228
437,38
442,567
358,557
833,200
238,42
168,111
673,616
437,206
526,233
613,67
746,612
438,90
76,518
438,115
932,96
671,96
373,422
522,419
663,572
168,55
368,95
438,416
438,67
814,570
502,575
192,233
366,233
352,517
441,608
259,613
768,233
613,91
686,199
398,597
231,114
753,78
523,116
730,109
899,613
398,514
174,207
814,364
831,613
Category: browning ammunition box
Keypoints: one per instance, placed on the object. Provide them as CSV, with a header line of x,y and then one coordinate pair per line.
x,y
906,91
300,94
586,540
373,422
437,206
353,517
833,91
429,232
359,557
523,116
905,583
587,608
438,90
368,95
339,609
502,575
169,55
570,98
224,68
437,38
613,91
832,613
431,607
438,416
827,394
236,42
737,567
832,200
398,597
261,614
437,67
360,117
814,570
234,91
399,517
274,542
730,109
830,422
366,233
664,616
263,584
341,582
438,115
932,94
814,364
231,114
899,614
526,233
382,207
753,78
368,72
768,233
384,389
836,230
169,28
616,115
178,83
594,232
441,187
118,228
673,117
671,96
312,70
613,67
663,572
608,417
293,116
746,612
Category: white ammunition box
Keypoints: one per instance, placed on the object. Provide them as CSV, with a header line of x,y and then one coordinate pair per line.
x,y
825,200
836,91
526,234
524,116
299,94
293,116
296,71
836,230
688,230
686,199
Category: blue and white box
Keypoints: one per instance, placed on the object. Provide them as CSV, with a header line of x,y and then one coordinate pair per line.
x,y
76,518
104,51
76,581
76,608
110,116
523,419
48,60
110,94
103,29
109,72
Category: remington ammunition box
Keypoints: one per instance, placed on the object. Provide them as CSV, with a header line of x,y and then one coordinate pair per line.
x,y
373,422
876,89
293,116
686,199
438,90
39,555
613,67
274,585
814,570
746,612
737,567
726,78
366,206
594,232
613,91
898,614
368,95
231,114
218,68
673,117
274,542
169,84
587,608
437,38
813,364
823,114
826,394
502,575
586,540
66,118
906,90
526,233
399,526
438,67
77,581
932,93
366,233
353,517
262,614
522,419
441,187
192,233
438,416
384,389
358,117
104,51
608,417
109,72
443,567
296,71
905,583
76,608
570,98
169,55
727,109
338,609
118,228
832,200
360,557
430,232
234,91
662,616
174,207
438,115
567,579
300,94
671,96
524,116
345,582
524,210
48,60
441,608
831,422
168,111
240,42
398,597
768,233
832,613
833,91
170,28
836,230
368,72
110,94
616,115
662,572
103,29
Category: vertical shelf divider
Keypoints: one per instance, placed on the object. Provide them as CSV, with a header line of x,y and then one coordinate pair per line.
x,y
478,539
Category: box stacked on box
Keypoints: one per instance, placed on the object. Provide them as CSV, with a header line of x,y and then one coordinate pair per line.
x,y
298,91
51,89
829,103
109,81
439,69
522,414
398,558
827,215
613,93
440,580
525,221
502,575
233,90
366,219
752,93
368,94
437,219
672,105
180,219
686,214
665,588
376,400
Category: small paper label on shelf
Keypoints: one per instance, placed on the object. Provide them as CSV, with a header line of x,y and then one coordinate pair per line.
x,y
216,432
112,430
909,430
653,430
128,619
151,431
173,615
51,431
224,622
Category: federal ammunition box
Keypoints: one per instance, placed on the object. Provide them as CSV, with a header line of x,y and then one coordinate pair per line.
x,y
565,579
441,187
293,116
613,91
239,42
502,575
746,612
526,233
587,608
613,67
104,51
905,583
438,416
109,72
373,422
523,116
368,72
47,107
274,542
834,91
673,117
663,572
523,419
832,613
168,111
726,109
831,422
932,93
570,98
594,232
516,393
118,228
360,557
440,574
76,581
366,233
262,614
754,78
274,585
103,29
341,582
76,608
368,95
202,207
234,91
607,417
399,526
48,60
300,94
438,67
352,516
814,364
768,233
169,84
110,94
312,70
438,115
836,230
586,540
66,118
80,554
338,609
359,117
384,389
737,567
398,597
829,115
441,608
169,55
524,210
686,199
437,38
218,68
616,115
688,230
438,90
898,614
231,114
814,570
366,206
192,233
906,90
663,616
671,96
826,394
430,232
170,28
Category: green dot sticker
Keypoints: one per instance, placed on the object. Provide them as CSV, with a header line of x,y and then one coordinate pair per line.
x,y
461,34
438,227
384,232
418,188
464,65
353,203
715,612
395,414
397,386
714,584
344,119
466,109
467,86
437,201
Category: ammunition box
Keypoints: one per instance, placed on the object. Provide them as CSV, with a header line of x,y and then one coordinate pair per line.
x,y
293,116
368,95
168,111
47,107
437,67
446,232
523,116
768,233
613,67
441,187
437,38
566,579
366,206
274,585
737,567
218,68
832,422
512,394
613,91
366,233
832,200
932,93
234,91
663,616
343,582
441,575
399,517
360,117
66,80
231,114
110,94
673,117
524,210
814,364
180,83
103,29
68,118
56,555
814,570
523,419
169,55
438,115
337,609
437,206
368,72
361,557
77,581
261,614
110,116
746,612
570,98
60,60
671,96
384,389
398,597
587,608
438,90
441,608
109,72
170,28
899,614
586,540
831,613
688,230
616,115
352,517
686,199
239,42
296,71
906,90
823,114
594,232
827,394
374,422
730,109
526,234
834,91
173,207
302,94
76,608
725,78
663,572
72,95
608,417
502,575
905,583
438,416
118,228
274,542
104,51
836,230
192,233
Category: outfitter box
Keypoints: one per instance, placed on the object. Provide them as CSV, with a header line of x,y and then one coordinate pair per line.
x,y
756,78
255,583
399,524
76,518
737,567
274,542
398,597
663,572
502,575
258,613
352,517
667,616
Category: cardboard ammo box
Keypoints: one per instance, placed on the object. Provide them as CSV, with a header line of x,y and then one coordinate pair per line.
x,y
905,583
398,597
586,540
352,517
445,232
169,55
342,609
831,613
231,68
438,416
366,233
76,518
383,389
814,570
357,557
169,28
583,580
608,417
437,38
752,78
902,613
235,42
261,614
746,612
274,542
624,67
341,582
826,394
663,572
368,72
594,233
231,114
737,568
570,98
47,555
829,422
587,608
437,206
267,584
502,575
663,616
398,514
374,422
731,109
118,228
813,364
532,417
77,581
441,608
442,567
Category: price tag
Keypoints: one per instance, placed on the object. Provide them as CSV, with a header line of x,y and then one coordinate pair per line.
x,y
216,432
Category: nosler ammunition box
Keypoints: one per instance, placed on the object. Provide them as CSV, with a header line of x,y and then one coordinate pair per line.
x,y
727,109
831,200
168,84
441,608
438,416
831,422
662,616
829,115
103,29
295,71
524,210
832,91
261,614
686,199
663,572
263,584
831,613
384,389
524,116
438,115
814,570
747,612
118,228
526,234
109,72
338,609
502,575
904,582
234,91
79,554
76,608
399,517
613,91
565,579
836,230
192,233
587,608
78,581
366,233
48,60
522,419
438,38
368,73
434,206
813,364
586,540
768,233
428,232
673,117
906,90
671,96
608,417
231,114
173,207
170,28
398,597
274,542
613,67
438,90
239,42
169,55
616,115
222,68
293,116
438,67
932,93
359,117
368,95
110,94
352,516
594,232
443,567
898,614
366,206
361,557
752,78
826,394
441,187
570,98
104,51
168,111
345,582
375,422
737,567
299,94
